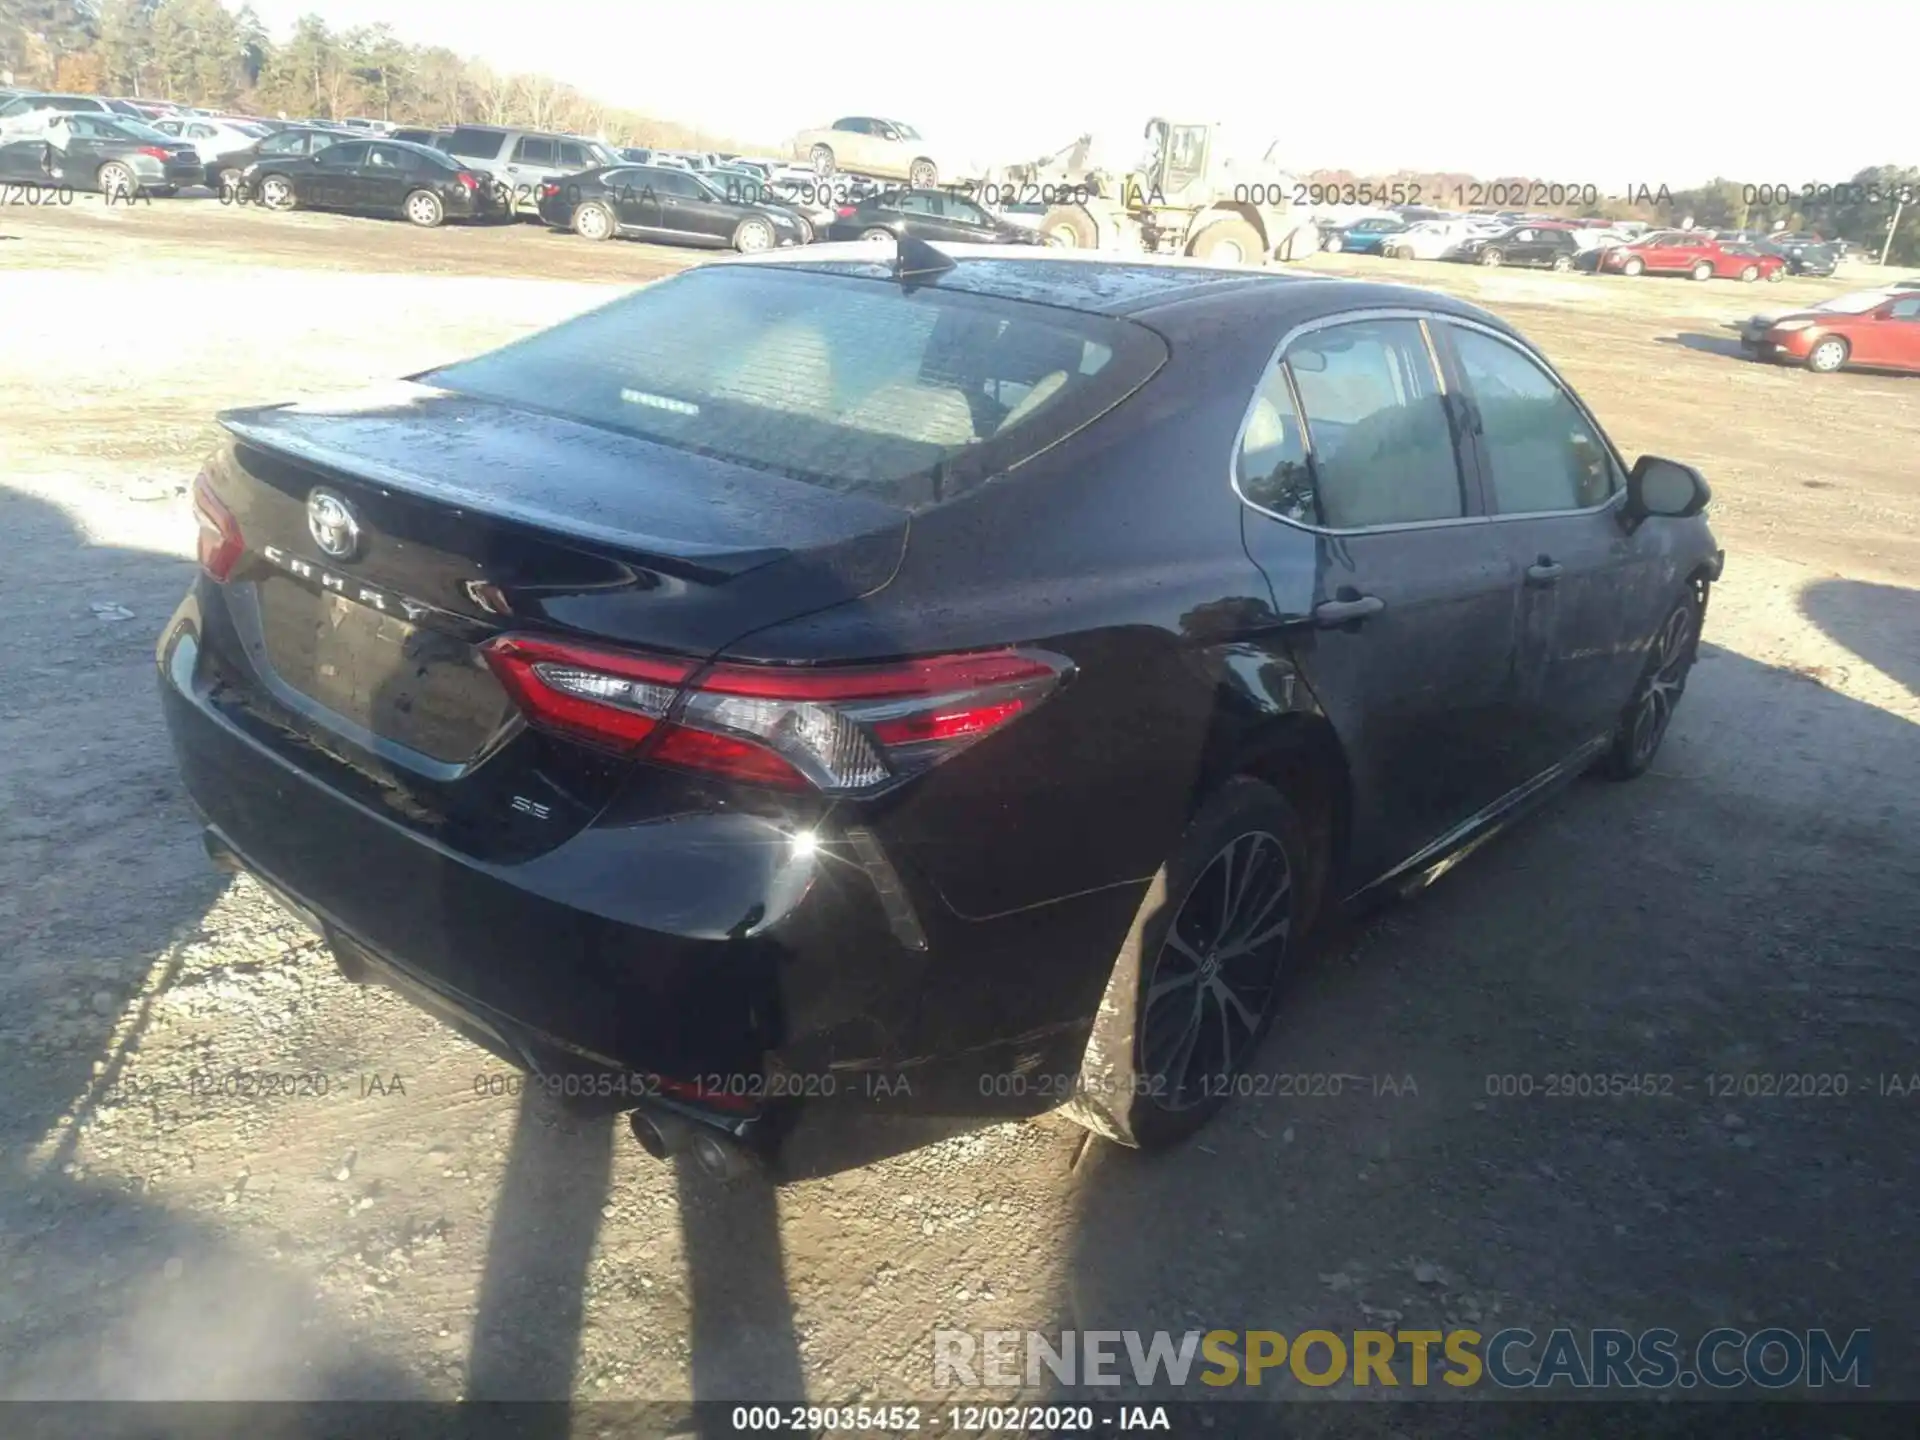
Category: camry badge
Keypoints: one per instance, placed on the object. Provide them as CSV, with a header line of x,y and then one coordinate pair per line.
x,y
332,525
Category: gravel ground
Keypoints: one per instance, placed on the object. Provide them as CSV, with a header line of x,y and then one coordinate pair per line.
x,y
1748,908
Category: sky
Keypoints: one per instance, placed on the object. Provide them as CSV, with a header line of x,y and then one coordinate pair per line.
x,y
1614,93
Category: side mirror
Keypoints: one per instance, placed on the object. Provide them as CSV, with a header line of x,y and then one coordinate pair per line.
x,y
1666,488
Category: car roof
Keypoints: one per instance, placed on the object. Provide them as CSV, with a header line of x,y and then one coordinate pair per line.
x,y
1128,285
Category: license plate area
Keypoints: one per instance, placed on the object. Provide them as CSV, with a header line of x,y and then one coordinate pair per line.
x,y
410,684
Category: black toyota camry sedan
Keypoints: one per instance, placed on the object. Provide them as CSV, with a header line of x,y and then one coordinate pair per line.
x,y
655,202
953,678
372,177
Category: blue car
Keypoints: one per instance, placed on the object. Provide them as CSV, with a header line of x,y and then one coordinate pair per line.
x,y
1364,236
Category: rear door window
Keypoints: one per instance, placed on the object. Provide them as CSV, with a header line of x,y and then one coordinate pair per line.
x,y
847,382
533,150
1377,431
341,157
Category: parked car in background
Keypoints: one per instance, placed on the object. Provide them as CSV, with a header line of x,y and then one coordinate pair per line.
x,y
1428,240
890,149
522,161
211,138
635,154
142,110
28,110
418,134
1693,253
375,177
1805,252
928,215
886,685
225,172
1851,302
1365,236
1886,337
109,153
657,202
360,122
1544,246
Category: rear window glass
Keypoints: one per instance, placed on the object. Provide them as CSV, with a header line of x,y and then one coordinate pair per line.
x,y
853,384
474,144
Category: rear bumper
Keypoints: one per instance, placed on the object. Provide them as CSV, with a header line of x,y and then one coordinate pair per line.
x,y
703,951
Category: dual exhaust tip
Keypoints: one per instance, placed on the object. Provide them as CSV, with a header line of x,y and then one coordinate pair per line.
x,y
665,1136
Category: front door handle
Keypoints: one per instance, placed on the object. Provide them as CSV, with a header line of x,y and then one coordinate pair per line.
x,y
1543,572
1331,613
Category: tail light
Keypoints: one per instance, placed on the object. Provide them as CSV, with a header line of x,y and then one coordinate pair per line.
x,y
220,542
155,152
851,730
549,190
467,182
843,211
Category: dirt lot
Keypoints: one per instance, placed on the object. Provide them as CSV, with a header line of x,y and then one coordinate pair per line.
x,y
1750,907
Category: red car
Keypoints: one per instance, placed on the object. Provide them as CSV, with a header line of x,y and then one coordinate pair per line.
x,y
1693,253
1886,337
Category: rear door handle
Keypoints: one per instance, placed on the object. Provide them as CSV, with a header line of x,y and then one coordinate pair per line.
x,y
1543,572
1330,613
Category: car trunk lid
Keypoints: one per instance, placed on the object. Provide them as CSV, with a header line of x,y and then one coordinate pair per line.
x,y
387,537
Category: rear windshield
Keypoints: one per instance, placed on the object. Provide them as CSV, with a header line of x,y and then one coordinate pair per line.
x,y
473,144
909,396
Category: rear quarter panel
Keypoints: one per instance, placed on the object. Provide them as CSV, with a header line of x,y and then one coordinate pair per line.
x,y
1120,549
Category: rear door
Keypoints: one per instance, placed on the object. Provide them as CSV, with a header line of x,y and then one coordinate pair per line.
x,y
23,156
1552,487
1410,645
528,164
383,181
684,206
331,182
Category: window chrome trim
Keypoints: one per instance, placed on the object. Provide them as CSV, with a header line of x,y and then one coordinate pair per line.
x,y
1513,342
1308,327
1424,319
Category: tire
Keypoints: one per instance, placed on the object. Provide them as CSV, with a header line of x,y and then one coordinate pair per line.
x,y
1750,274
1828,356
1634,266
116,181
1180,1067
276,192
1562,263
821,159
593,221
754,236
1491,258
923,174
878,233
1230,241
1070,225
1645,721
1333,245
425,209
1702,271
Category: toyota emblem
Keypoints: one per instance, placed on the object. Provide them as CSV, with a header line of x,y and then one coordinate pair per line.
x,y
332,525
